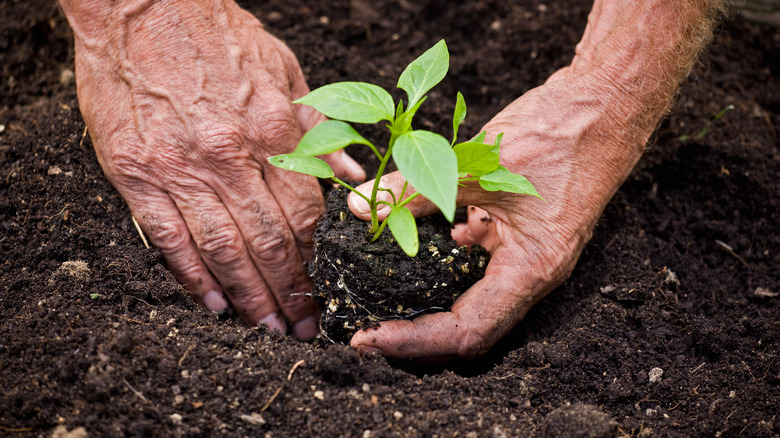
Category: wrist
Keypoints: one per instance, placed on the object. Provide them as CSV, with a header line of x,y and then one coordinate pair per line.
x,y
97,23
634,55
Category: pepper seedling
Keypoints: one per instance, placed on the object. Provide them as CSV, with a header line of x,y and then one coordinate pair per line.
x,y
430,163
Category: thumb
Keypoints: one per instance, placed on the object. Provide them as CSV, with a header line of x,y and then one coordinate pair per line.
x,y
392,182
477,320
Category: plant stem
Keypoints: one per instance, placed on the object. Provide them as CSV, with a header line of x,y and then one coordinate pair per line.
x,y
372,203
379,231
352,189
407,200
391,194
376,151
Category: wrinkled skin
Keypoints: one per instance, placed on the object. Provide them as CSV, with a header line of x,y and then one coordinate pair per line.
x,y
576,138
184,104
534,244
185,100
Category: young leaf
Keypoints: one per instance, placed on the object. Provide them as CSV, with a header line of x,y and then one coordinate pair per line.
x,y
480,138
413,110
399,110
428,163
404,229
329,136
476,158
404,122
497,147
302,164
356,102
425,72
460,115
498,139
503,180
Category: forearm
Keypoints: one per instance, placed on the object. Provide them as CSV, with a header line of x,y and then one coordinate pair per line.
x,y
100,23
641,51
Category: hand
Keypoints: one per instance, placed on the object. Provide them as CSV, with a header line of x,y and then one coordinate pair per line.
x,y
560,137
184,101
576,138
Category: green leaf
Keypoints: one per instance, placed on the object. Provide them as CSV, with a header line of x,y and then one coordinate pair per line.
x,y
413,110
497,146
503,180
94,296
429,164
399,110
302,164
498,139
476,158
356,102
460,115
329,136
480,138
404,122
425,72
404,229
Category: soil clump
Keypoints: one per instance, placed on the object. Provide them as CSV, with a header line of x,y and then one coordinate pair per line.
x,y
359,283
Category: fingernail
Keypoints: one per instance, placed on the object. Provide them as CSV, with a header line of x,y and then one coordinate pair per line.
x,y
307,328
275,322
354,169
357,203
215,301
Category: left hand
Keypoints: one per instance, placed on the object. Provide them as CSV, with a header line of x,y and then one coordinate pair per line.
x,y
559,137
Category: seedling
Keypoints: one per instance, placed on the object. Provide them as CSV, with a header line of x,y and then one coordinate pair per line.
x,y
703,132
429,162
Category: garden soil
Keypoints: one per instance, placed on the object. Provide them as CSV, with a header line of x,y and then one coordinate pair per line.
x,y
669,325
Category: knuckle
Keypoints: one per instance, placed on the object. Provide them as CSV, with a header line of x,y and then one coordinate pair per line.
x,y
293,303
304,222
272,249
472,344
224,145
279,126
223,246
125,166
169,236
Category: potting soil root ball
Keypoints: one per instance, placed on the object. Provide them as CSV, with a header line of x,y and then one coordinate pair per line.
x,y
358,284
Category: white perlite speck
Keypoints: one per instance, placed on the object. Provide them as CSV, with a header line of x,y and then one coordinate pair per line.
x,y
655,374
253,418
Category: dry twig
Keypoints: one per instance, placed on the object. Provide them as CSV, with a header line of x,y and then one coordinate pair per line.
x,y
271,400
294,367
140,232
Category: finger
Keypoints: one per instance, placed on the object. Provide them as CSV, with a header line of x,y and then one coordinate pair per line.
x,y
475,229
223,249
480,228
393,181
480,317
307,116
161,221
469,193
276,231
344,166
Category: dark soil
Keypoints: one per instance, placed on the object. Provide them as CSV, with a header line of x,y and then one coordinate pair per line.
x,y
95,333
359,283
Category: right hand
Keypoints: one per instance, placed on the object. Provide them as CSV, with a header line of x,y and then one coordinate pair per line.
x,y
184,102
